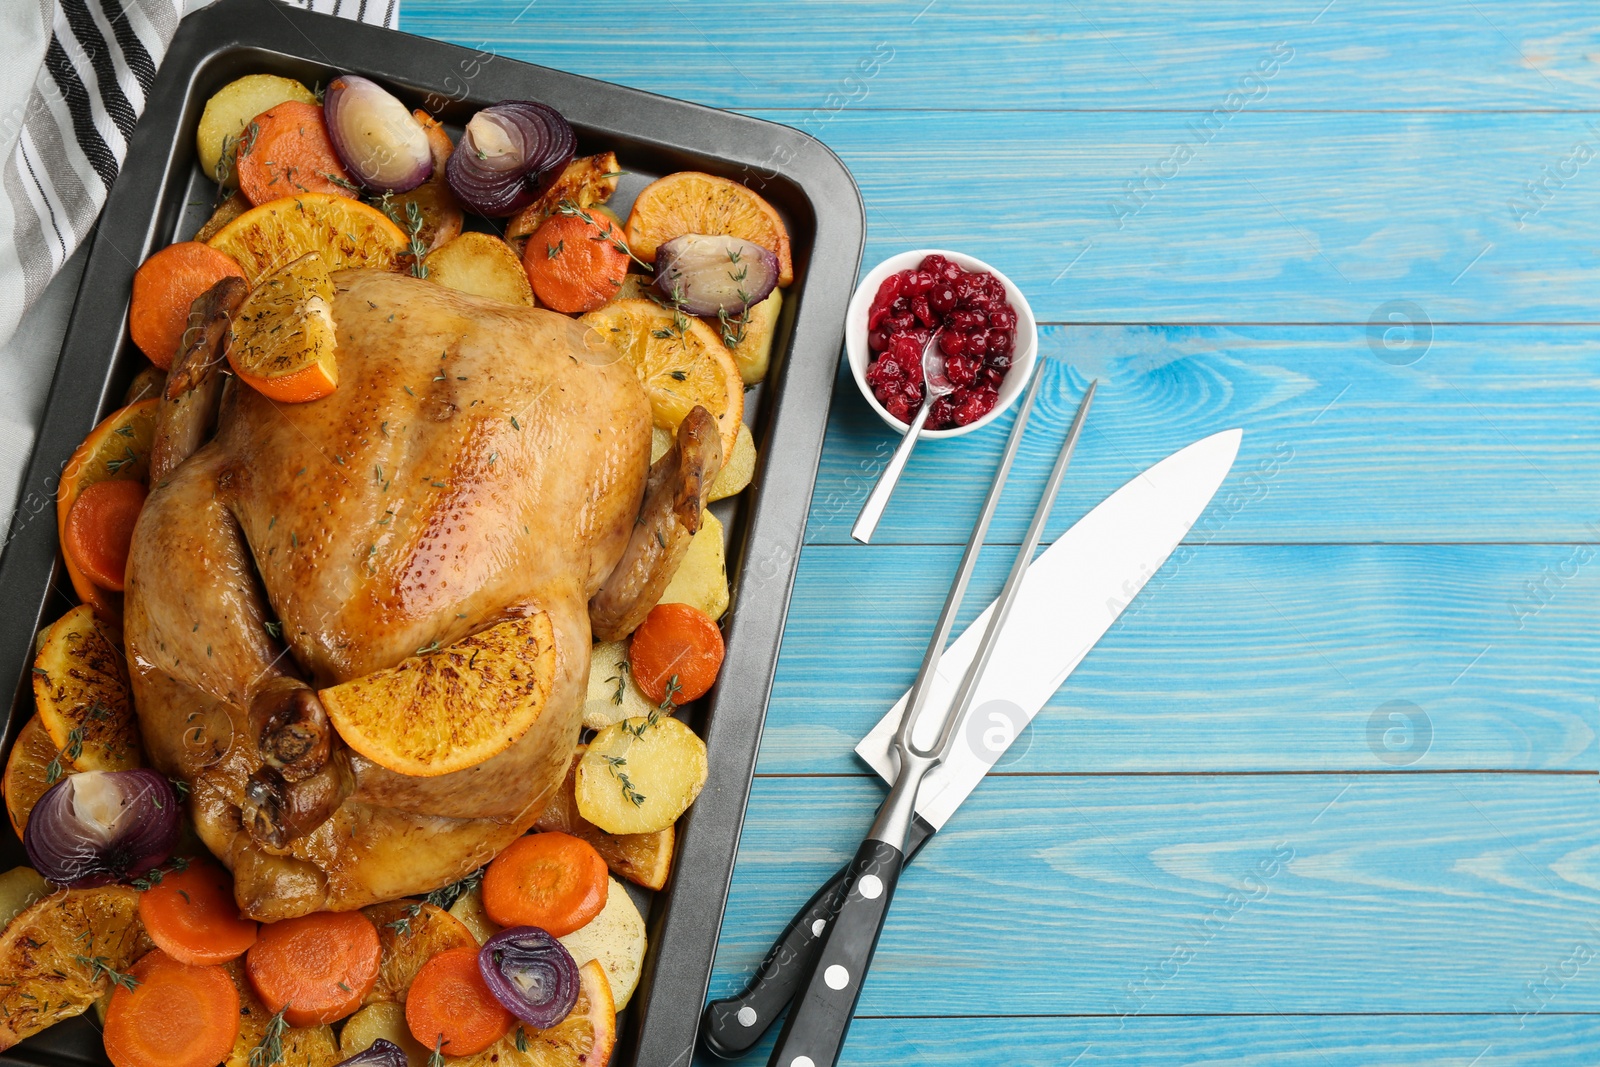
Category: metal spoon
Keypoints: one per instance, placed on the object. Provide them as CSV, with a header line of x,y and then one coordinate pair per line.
x,y
935,385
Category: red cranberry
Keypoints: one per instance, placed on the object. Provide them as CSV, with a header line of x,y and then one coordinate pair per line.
x,y
964,319
900,305
899,322
924,314
877,340
974,406
919,282
967,288
932,264
961,370
952,343
899,407
977,343
1001,341
905,349
1003,318
941,414
992,376
942,299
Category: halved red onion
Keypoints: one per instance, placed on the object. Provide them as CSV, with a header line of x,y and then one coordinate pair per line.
x,y
381,1053
509,154
376,138
714,274
99,827
531,974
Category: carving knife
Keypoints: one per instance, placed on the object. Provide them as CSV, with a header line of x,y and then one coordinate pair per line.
x,y
1072,594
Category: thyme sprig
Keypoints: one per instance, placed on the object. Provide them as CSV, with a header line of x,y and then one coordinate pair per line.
x,y
100,967
269,1050
607,233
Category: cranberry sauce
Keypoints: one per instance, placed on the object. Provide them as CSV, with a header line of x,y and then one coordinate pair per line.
x,y
980,334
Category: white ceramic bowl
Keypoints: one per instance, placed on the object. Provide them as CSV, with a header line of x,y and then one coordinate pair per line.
x,y
860,356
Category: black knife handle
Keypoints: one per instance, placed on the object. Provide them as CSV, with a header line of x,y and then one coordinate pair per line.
x,y
814,1033
732,1027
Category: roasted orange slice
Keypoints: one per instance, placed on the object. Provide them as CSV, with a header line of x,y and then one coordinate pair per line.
x,y
117,448
80,685
282,343
692,202
344,232
62,954
680,361
447,709
35,765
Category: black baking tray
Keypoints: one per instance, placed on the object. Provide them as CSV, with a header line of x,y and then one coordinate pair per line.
x,y
162,196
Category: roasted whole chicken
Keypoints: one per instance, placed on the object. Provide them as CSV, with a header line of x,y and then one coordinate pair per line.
x,y
477,463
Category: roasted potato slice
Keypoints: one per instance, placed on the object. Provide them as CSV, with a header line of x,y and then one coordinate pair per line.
x,y
148,383
447,709
702,578
639,775
227,116
469,909
387,1022
616,939
35,765
483,265
645,859
19,888
80,684
737,469
750,341
410,932
303,1046
613,694
60,955
587,181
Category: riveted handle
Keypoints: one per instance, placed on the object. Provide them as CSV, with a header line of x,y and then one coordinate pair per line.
x,y
813,1035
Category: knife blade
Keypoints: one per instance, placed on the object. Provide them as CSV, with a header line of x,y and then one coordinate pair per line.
x,y
1073,593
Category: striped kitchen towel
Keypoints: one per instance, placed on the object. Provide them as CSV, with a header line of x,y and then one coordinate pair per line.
x,y
71,89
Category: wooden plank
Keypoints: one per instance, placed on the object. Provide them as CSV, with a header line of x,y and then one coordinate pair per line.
x,y
1239,1041
1206,894
1280,217
807,54
1235,658
1492,435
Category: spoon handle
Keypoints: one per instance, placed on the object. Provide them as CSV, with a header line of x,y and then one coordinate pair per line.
x,y
878,499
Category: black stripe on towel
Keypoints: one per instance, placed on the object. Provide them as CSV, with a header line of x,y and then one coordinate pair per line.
x,y
133,50
89,139
99,53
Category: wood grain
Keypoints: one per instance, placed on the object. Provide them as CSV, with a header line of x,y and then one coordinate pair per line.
x,y
1389,894
1235,658
1492,435
970,54
1235,1040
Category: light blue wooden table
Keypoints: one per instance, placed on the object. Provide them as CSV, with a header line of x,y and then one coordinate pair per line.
x,y
1365,231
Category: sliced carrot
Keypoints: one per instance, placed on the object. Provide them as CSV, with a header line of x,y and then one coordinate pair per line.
x,y
676,653
100,528
450,1008
176,1015
285,150
554,881
163,288
575,264
316,968
192,917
